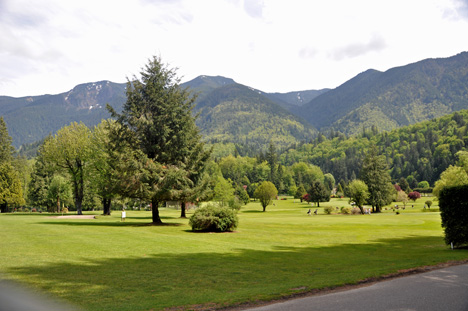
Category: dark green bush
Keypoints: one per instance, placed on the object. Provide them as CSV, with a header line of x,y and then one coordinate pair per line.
x,y
214,219
453,203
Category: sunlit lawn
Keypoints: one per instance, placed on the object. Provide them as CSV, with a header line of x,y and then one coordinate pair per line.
x,y
106,264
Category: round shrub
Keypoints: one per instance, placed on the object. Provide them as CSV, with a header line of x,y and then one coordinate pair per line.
x,y
214,219
346,210
328,209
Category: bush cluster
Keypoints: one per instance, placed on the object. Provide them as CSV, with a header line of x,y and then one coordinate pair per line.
x,y
346,210
214,219
328,209
453,204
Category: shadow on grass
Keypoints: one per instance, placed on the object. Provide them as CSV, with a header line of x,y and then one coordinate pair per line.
x,y
116,223
158,281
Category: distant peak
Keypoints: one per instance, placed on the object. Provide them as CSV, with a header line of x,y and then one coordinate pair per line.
x,y
209,81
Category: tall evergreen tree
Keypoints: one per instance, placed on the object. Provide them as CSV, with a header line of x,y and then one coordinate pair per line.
x,y
375,174
318,192
6,147
158,113
272,159
41,176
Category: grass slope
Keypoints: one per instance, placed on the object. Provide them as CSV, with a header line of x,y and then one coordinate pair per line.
x,y
105,264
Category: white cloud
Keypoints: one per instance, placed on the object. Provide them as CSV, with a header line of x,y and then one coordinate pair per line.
x,y
49,46
375,44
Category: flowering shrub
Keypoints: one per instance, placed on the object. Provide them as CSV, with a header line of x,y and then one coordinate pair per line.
x,y
414,195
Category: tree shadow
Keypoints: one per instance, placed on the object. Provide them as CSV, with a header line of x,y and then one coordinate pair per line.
x,y
116,223
157,281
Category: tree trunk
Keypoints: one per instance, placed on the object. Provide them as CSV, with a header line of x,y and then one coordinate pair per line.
x,y
78,194
182,210
78,204
106,206
4,207
155,212
362,209
58,204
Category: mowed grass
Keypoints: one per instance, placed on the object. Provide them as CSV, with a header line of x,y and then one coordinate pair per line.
x,y
106,264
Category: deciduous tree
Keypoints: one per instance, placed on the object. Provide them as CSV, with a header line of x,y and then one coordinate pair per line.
x,y
59,190
70,150
358,192
266,192
414,195
11,191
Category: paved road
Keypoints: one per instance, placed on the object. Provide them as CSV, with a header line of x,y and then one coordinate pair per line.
x,y
444,289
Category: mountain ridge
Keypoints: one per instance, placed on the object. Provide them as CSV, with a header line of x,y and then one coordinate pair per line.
x,y
397,97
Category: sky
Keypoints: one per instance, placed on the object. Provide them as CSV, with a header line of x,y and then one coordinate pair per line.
x,y
50,46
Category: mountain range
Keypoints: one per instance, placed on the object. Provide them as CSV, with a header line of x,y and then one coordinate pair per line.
x,y
232,112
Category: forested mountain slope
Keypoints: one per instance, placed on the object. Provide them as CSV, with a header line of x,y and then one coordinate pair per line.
x,y
30,119
239,114
398,97
417,152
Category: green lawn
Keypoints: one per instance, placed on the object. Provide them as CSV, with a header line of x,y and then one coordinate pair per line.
x,y
105,264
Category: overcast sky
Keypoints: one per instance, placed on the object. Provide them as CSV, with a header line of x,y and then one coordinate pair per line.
x,y
49,46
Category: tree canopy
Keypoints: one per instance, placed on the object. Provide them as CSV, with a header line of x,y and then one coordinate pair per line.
x,y
266,192
358,192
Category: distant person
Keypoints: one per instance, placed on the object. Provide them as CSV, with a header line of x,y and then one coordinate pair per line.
x,y
316,211
309,212
124,214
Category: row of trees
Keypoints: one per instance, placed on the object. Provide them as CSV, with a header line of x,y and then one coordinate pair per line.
x,y
152,152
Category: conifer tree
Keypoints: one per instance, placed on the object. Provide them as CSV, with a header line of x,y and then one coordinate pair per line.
x,y
375,174
41,176
158,114
6,148
318,192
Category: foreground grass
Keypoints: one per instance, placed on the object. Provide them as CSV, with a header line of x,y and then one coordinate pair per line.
x,y
105,264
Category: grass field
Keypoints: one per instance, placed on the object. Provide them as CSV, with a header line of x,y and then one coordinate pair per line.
x,y
106,264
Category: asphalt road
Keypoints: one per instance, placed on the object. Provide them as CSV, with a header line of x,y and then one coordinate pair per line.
x,y
445,289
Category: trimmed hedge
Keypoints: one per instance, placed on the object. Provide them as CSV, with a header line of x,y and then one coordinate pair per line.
x,y
214,219
453,203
